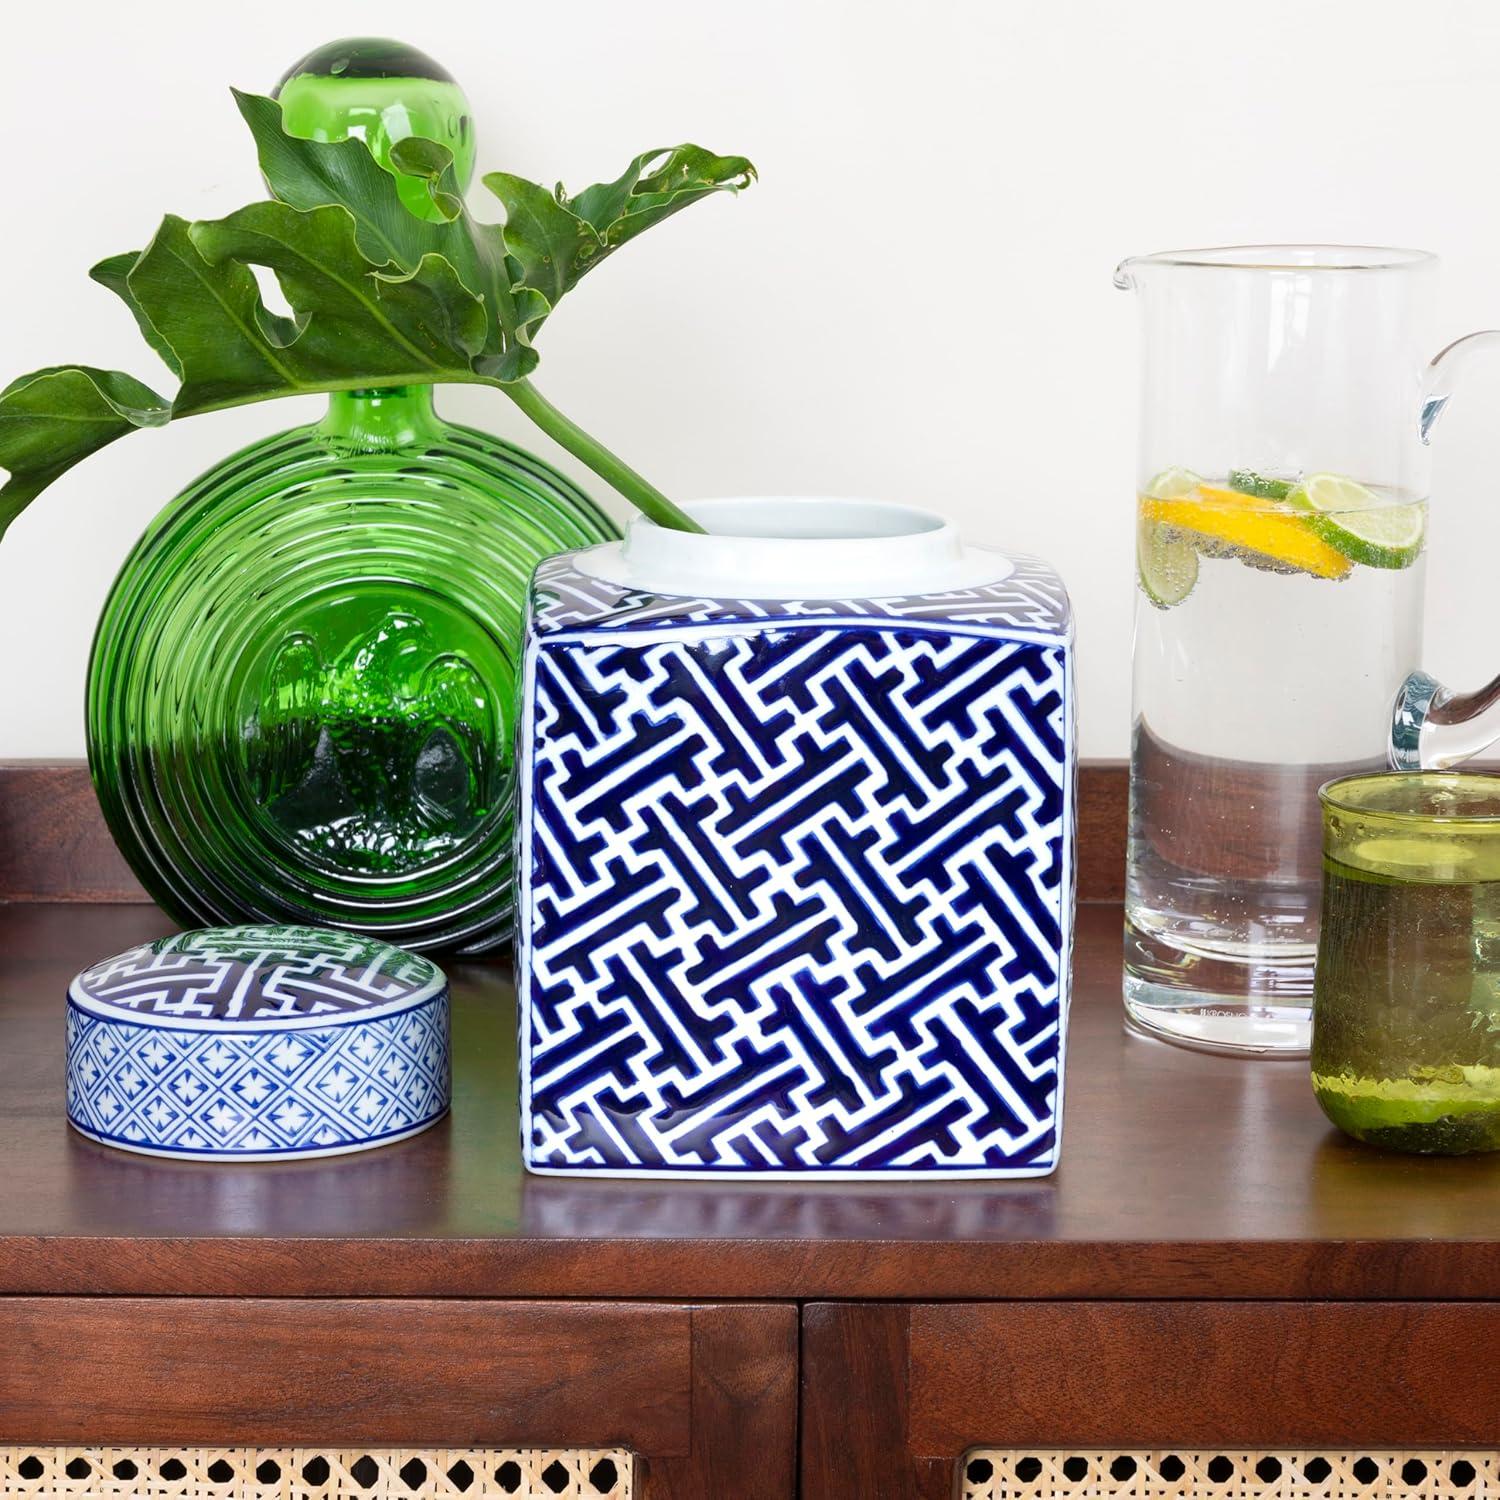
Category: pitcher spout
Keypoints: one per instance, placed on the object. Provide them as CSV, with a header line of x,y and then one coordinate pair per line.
x,y
1433,729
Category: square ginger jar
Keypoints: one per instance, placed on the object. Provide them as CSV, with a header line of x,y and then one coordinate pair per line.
x,y
795,851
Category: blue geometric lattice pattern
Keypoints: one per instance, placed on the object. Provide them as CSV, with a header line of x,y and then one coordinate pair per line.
x,y
257,974
258,1092
796,893
1029,598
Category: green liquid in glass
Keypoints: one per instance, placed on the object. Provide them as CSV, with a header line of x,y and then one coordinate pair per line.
x,y
1406,1024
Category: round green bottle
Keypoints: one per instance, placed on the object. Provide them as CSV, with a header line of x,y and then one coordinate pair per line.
x,y
303,686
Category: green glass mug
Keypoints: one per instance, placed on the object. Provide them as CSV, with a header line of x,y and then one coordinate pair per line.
x,y
1406,1009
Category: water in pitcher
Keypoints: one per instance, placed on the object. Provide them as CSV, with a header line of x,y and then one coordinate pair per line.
x,y
1276,617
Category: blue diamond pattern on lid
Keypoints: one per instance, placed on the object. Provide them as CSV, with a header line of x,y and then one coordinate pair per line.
x,y
258,1043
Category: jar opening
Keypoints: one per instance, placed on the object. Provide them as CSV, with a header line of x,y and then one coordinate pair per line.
x,y
797,547
811,518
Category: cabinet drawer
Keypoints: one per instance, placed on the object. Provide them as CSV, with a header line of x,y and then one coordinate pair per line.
x,y
684,1391
896,1397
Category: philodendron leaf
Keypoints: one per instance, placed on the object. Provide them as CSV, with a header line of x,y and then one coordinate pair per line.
x,y
557,239
417,325
115,274
480,254
433,162
378,295
308,174
51,418
352,322
201,319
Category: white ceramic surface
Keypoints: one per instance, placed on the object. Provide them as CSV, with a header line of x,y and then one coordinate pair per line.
x,y
797,547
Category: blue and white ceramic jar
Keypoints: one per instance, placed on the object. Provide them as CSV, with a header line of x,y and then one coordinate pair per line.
x,y
257,1044
796,872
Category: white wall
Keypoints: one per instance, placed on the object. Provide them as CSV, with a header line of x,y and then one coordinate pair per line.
x,y
914,302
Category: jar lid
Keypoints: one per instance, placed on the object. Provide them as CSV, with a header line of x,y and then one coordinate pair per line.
x,y
257,1044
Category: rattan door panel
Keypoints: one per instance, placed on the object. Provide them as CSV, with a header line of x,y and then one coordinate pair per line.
x,y
59,1473
1228,1474
1035,1400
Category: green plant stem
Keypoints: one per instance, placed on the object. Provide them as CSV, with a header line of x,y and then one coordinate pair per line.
x,y
636,488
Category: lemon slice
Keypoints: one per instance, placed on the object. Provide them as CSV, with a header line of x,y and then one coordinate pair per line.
x,y
1362,526
1265,532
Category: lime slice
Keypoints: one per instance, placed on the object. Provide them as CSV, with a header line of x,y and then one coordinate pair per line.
x,y
1172,483
1358,523
1263,486
1167,561
1413,859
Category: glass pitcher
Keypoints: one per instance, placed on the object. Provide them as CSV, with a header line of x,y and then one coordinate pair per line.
x,y
1281,505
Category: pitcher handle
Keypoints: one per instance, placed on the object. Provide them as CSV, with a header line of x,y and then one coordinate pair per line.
x,y
1443,371
1432,728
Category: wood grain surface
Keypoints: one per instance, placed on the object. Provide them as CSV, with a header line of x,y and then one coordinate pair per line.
x,y
1204,1374
856,1399
53,842
446,1374
1182,1176
894,1395
54,845
705,1396
744,1409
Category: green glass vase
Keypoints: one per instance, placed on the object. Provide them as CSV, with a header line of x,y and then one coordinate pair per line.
x,y
302,693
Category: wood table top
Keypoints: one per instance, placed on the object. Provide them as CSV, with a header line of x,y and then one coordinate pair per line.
x,y
1182,1175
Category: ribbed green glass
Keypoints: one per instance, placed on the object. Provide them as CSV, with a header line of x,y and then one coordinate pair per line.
x,y
302,693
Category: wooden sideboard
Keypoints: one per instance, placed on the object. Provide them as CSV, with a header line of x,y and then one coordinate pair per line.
x,y
1213,1272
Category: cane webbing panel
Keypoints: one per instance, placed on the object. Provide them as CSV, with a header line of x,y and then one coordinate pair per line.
x,y
318,1473
1225,1474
